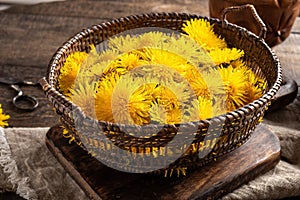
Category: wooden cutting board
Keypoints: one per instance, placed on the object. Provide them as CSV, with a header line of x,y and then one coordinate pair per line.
x,y
257,156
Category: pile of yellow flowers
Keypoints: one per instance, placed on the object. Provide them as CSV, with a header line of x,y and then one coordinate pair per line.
x,y
3,118
161,78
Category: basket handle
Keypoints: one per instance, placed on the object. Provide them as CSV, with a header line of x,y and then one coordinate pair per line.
x,y
263,28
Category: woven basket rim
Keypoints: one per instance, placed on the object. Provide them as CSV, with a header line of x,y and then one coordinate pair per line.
x,y
242,111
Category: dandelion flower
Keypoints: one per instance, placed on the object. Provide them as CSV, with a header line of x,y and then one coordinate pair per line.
x,y
206,84
226,55
123,100
108,55
174,99
205,108
168,100
123,44
202,31
193,113
103,97
128,61
255,86
158,114
140,103
83,95
91,58
235,83
162,57
157,73
238,64
166,97
3,118
174,116
188,49
156,40
69,71
100,63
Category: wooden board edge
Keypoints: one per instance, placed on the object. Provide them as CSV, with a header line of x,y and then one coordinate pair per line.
x,y
250,175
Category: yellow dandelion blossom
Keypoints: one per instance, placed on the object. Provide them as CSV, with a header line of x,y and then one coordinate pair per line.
x,y
165,59
128,61
69,71
206,84
166,98
238,64
123,100
219,106
235,84
193,113
83,95
214,82
91,58
162,57
226,55
81,70
186,70
174,99
164,112
103,96
205,108
202,31
3,118
123,44
94,72
155,40
120,101
140,103
188,49
182,89
174,116
199,85
102,61
255,86
161,74
108,55
158,114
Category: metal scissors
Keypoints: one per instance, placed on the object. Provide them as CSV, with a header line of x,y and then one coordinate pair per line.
x,y
21,100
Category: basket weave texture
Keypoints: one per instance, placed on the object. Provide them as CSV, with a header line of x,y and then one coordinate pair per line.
x,y
235,127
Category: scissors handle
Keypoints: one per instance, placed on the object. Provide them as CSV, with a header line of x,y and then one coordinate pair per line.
x,y
25,102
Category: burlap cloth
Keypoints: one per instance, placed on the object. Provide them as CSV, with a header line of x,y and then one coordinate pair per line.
x,y
30,170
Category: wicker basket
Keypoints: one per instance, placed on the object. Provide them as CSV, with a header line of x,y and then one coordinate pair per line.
x,y
235,127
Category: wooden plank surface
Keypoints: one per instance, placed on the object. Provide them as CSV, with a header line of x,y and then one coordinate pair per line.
x,y
288,53
112,9
258,155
